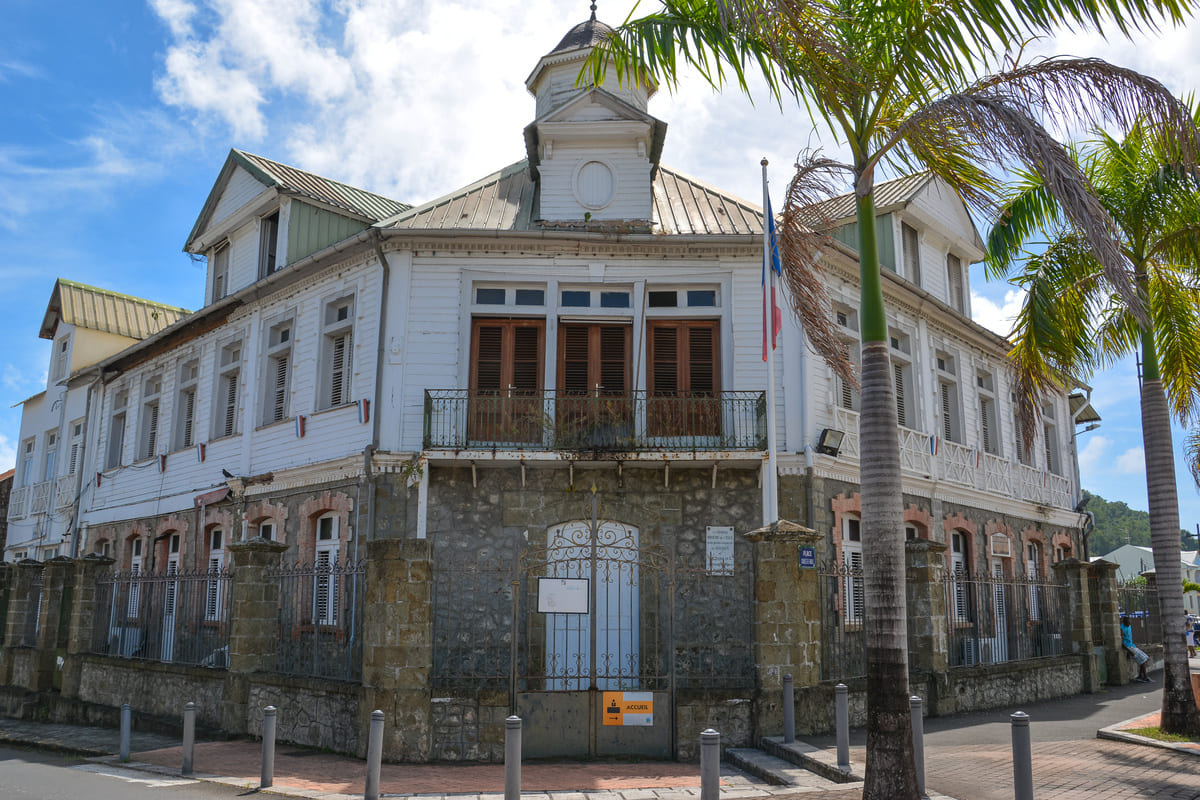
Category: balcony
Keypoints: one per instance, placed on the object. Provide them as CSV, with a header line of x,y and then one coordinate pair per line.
x,y
64,492
457,419
966,466
41,497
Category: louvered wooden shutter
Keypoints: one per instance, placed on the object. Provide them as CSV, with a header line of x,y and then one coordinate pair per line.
x,y
526,359
702,360
151,431
575,349
955,276
74,459
912,254
189,416
231,389
947,420
339,372
901,405
1022,456
664,368
614,359
279,390
985,420
212,598
324,601
489,358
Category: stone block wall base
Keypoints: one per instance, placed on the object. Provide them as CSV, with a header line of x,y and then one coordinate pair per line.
x,y
407,728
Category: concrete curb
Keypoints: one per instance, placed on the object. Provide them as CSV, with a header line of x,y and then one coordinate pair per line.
x,y
53,745
1115,733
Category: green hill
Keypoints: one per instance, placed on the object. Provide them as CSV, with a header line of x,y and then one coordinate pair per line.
x,y
1118,524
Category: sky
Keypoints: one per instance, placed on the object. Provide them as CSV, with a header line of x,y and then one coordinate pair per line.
x,y
116,116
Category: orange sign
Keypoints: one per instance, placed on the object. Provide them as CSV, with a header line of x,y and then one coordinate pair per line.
x,y
629,708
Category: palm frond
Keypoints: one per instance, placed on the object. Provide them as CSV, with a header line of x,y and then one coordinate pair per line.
x,y
1191,451
802,237
1175,315
1027,210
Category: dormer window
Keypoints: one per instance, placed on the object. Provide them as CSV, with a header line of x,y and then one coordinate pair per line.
x,y
954,283
268,245
912,253
220,271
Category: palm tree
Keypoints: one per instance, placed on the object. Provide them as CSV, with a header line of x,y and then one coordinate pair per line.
x,y
894,80
1072,322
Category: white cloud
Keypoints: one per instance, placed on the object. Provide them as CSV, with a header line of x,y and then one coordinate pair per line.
x,y
1091,456
997,317
1131,462
177,14
8,453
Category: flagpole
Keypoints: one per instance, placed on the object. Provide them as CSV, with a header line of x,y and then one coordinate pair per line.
x,y
771,496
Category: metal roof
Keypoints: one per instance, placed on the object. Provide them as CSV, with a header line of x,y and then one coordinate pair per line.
x,y
356,201
889,194
506,200
102,310
586,34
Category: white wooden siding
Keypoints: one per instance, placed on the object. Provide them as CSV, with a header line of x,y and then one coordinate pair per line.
x,y
631,173
241,189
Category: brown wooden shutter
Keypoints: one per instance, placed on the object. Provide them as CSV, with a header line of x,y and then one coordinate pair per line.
x,y
506,380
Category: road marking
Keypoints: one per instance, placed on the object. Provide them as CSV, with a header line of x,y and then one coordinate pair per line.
x,y
132,776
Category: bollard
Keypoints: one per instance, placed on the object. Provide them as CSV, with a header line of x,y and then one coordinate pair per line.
x,y
374,755
512,758
918,729
843,727
189,737
126,720
268,751
789,710
710,765
1022,763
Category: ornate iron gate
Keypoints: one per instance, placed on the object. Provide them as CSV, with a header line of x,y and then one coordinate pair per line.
x,y
591,609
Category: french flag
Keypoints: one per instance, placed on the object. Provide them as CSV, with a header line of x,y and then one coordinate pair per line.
x,y
772,316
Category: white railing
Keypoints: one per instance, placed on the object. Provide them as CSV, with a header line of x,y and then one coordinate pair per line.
x,y
962,465
957,463
17,502
41,497
64,491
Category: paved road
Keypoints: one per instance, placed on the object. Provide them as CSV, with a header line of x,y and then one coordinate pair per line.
x,y
37,775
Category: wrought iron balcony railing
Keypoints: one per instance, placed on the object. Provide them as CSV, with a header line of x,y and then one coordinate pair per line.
x,y
459,419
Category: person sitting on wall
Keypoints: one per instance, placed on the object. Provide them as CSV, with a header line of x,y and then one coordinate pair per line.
x,y
1138,655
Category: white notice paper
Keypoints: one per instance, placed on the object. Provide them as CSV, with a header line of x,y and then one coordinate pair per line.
x,y
719,550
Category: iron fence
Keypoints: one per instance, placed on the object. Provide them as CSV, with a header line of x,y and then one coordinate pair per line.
x,y
320,619
664,621
1139,602
178,617
993,619
33,610
547,420
843,612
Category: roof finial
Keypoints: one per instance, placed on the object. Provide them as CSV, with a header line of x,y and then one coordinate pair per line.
x,y
593,10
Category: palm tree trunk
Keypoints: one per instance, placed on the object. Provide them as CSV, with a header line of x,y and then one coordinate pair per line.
x,y
890,772
1179,712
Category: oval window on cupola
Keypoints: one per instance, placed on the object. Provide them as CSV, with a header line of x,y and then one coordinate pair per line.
x,y
594,184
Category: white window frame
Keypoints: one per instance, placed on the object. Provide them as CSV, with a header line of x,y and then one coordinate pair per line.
x,y
277,377
229,390
27,449
1053,450
213,602
1033,573
855,606
62,363
846,396
135,586
49,455
912,252
510,297
118,423
268,244
956,289
185,404
337,353
900,347
150,421
266,529
76,445
326,534
220,271
960,565
989,417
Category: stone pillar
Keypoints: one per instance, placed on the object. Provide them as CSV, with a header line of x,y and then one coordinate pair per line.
x,y
787,617
1074,573
83,619
20,665
7,580
928,636
58,576
253,620
1104,607
398,646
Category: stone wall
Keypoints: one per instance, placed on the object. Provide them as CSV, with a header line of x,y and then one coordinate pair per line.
x,y
311,712
151,688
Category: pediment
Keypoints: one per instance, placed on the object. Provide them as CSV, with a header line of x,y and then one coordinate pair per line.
x,y
236,188
595,105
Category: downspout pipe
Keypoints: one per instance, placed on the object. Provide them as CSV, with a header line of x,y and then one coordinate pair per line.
x,y
381,339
